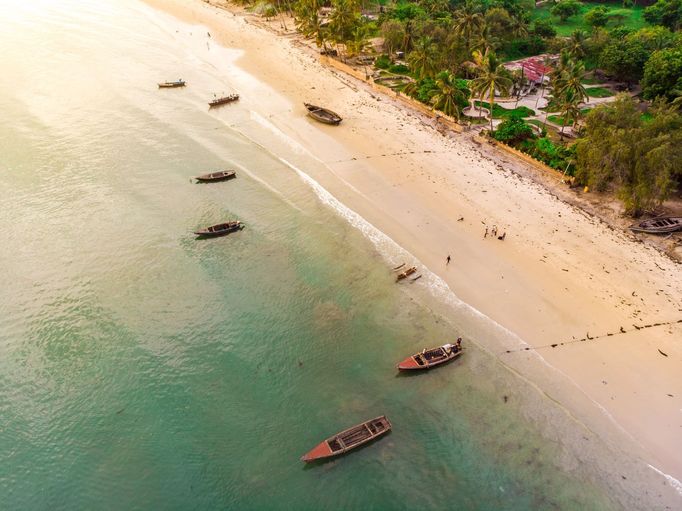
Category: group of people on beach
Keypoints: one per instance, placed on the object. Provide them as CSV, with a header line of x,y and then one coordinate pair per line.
x,y
493,233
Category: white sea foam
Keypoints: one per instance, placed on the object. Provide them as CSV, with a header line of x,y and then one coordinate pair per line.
x,y
673,482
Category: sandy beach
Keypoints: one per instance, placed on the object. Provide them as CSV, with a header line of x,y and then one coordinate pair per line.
x,y
559,275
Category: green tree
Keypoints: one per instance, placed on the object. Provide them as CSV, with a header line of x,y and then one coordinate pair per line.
x,y
577,44
513,131
393,32
570,111
344,20
597,17
468,23
565,9
451,94
544,28
663,74
308,21
423,58
625,58
491,76
665,12
642,160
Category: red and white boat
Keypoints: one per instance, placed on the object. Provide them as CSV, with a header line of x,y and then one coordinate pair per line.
x,y
433,357
349,439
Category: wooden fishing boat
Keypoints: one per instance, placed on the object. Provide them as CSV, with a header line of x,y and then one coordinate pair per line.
x,y
660,225
224,99
433,357
323,114
171,85
221,175
220,229
349,439
406,273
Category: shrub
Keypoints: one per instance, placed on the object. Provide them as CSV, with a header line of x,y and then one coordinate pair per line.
x,y
597,17
513,131
565,9
544,28
382,62
399,69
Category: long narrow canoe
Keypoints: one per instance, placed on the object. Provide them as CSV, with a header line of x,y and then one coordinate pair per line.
x,y
433,357
323,114
661,225
223,100
221,175
171,85
349,439
220,229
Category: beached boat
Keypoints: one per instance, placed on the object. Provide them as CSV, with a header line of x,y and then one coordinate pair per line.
x,y
224,99
349,439
323,114
661,225
220,229
221,175
406,273
171,85
433,357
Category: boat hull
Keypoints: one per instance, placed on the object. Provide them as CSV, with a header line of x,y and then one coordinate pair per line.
x,y
349,439
171,85
216,176
323,115
412,363
208,233
664,225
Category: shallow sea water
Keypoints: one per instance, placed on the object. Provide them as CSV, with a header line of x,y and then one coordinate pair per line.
x,y
141,368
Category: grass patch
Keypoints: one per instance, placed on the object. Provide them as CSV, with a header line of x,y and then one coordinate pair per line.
x,y
588,80
631,17
499,112
599,92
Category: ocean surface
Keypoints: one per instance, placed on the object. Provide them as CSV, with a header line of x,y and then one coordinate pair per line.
x,y
141,368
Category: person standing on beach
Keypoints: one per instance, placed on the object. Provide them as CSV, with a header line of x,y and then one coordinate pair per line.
x,y
486,232
447,261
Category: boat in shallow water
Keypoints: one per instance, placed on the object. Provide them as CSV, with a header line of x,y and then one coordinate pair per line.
x,y
220,229
661,225
323,114
171,85
223,100
349,439
221,175
433,357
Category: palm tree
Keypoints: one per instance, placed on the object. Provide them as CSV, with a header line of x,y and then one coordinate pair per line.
x,y
567,81
570,111
468,23
343,20
576,44
423,58
518,27
491,77
450,94
308,21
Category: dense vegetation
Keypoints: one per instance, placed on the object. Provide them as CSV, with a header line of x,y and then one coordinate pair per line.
x,y
450,54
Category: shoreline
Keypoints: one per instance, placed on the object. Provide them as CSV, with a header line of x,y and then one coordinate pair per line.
x,y
540,290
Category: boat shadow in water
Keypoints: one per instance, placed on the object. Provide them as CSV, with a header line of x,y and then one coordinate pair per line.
x,y
311,465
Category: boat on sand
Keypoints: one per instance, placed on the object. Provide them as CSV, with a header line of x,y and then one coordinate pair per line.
x,y
323,114
660,225
349,439
433,357
171,85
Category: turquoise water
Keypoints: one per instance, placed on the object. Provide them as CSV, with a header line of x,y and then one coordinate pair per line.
x,y
143,369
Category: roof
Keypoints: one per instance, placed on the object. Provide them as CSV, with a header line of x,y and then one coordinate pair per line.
x,y
534,68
